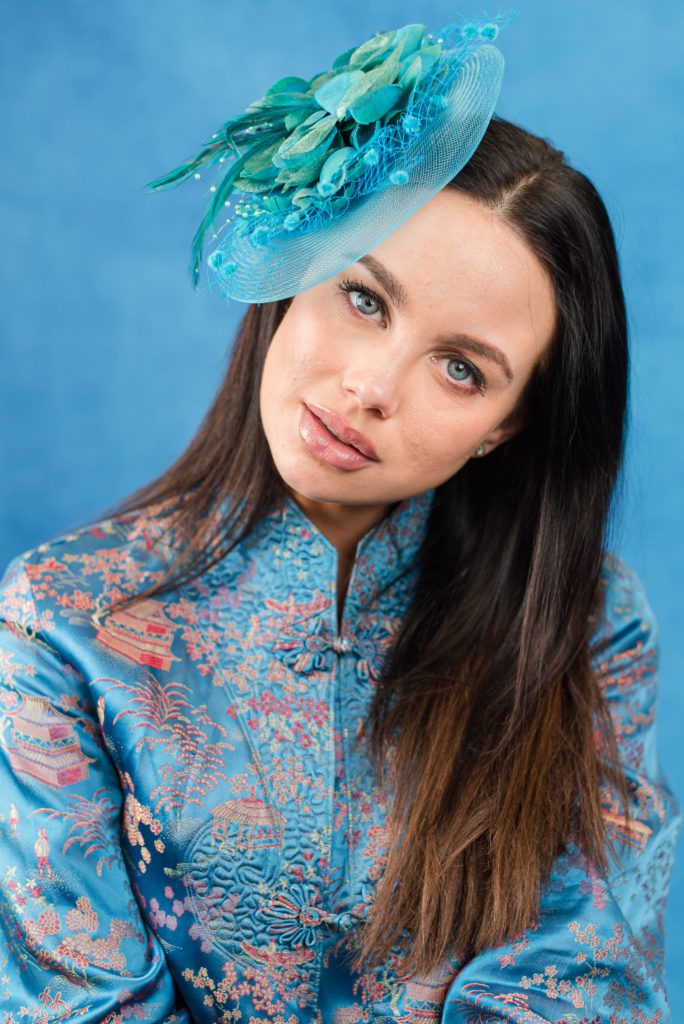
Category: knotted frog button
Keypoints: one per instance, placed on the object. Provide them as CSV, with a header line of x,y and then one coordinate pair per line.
x,y
341,644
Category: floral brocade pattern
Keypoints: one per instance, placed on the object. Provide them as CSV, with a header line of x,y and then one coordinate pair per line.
x,y
190,832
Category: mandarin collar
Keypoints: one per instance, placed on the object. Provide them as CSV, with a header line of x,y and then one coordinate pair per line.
x,y
386,552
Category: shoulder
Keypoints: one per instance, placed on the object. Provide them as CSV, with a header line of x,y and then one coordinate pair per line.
x,y
109,557
625,627
625,655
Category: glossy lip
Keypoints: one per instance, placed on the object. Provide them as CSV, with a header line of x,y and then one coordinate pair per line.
x,y
323,444
346,433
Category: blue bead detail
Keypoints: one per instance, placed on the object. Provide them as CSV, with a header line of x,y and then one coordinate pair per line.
x,y
399,177
218,263
490,31
410,123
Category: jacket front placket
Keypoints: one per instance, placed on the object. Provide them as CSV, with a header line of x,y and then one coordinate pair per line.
x,y
296,690
350,662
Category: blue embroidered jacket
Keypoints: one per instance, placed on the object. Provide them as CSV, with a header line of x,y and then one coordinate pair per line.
x,y
188,833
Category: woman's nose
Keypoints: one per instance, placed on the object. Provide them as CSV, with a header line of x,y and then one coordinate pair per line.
x,y
375,382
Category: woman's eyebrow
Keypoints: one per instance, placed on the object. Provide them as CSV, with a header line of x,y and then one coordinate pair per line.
x,y
397,294
479,348
389,282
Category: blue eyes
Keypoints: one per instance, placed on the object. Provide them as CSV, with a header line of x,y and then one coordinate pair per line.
x,y
463,368
354,286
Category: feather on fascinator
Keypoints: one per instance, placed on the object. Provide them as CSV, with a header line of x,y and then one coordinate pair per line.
x,y
326,168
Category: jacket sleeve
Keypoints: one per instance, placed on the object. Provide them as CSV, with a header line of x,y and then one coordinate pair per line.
x,y
596,951
73,944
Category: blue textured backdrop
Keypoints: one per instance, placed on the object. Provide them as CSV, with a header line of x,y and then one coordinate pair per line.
x,y
109,358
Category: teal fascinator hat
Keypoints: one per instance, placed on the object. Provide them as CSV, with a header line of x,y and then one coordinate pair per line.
x,y
317,172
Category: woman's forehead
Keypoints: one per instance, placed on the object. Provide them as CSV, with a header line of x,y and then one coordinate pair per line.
x,y
454,234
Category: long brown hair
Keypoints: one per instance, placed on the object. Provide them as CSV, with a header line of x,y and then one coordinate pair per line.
x,y
488,702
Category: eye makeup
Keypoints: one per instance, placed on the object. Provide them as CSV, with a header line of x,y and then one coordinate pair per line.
x,y
348,286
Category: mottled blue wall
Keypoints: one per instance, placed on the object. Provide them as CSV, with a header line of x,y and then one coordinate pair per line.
x,y
109,358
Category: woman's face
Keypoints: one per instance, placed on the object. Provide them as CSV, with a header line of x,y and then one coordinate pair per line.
x,y
425,376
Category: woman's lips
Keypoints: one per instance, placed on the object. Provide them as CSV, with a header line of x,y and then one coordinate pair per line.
x,y
326,446
339,427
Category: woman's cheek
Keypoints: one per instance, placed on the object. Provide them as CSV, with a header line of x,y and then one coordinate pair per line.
x,y
442,441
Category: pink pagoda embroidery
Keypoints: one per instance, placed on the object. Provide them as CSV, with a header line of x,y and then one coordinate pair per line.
x,y
259,825
143,634
45,745
633,833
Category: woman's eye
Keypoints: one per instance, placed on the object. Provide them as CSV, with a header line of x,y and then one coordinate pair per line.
x,y
362,300
461,372
365,300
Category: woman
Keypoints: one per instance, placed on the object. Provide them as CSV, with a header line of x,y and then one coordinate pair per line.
x,y
357,676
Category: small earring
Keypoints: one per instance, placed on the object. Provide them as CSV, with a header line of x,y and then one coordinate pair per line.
x,y
480,450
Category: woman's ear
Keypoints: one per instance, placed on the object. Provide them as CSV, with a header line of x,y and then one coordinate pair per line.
x,y
509,427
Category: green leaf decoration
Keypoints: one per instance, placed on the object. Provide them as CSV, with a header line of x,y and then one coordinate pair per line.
x,y
245,184
317,115
280,99
339,92
412,73
300,145
369,51
361,134
408,39
333,170
295,118
376,104
429,55
385,73
307,170
342,61
289,84
320,79
260,166
276,203
303,197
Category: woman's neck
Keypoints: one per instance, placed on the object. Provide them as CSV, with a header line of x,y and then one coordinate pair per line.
x,y
344,525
